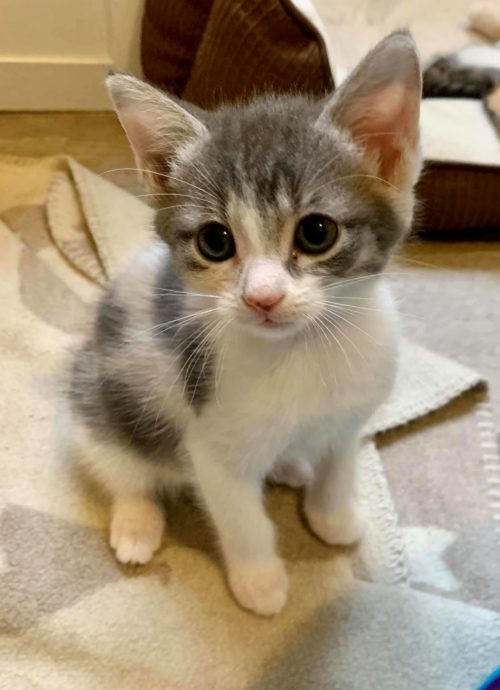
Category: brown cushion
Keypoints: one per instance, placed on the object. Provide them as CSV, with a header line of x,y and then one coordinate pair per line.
x,y
458,197
214,51
171,33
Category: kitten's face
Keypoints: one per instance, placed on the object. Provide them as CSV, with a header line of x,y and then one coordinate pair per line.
x,y
269,207
271,211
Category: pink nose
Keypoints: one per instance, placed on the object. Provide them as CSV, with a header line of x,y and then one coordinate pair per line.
x,y
263,301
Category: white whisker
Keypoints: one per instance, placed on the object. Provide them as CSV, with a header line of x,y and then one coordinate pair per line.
x,y
336,315
213,184
213,337
349,364
162,194
195,186
163,175
324,343
360,309
194,356
344,334
220,366
187,293
178,322
186,204
371,276
363,175
354,308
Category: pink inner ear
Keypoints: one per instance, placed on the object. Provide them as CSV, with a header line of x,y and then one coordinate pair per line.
x,y
385,123
142,132
140,129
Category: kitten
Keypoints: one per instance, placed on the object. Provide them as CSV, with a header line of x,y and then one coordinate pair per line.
x,y
255,337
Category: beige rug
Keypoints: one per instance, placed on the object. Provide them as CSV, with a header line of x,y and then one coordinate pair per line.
x,y
416,606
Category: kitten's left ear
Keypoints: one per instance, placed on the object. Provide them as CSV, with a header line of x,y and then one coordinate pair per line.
x,y
379,104
155,124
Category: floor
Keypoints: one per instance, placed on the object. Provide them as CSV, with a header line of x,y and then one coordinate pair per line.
x,y
95,139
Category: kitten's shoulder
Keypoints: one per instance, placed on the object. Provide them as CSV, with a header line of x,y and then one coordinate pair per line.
x,y
142,271
151,269
130,301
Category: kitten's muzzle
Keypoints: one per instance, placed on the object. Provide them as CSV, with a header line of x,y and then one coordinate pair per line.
x,y
264,302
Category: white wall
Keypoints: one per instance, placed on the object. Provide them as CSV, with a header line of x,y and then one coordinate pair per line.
x,y
54,54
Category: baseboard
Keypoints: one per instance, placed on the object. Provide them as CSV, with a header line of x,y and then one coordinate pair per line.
x,y
52,85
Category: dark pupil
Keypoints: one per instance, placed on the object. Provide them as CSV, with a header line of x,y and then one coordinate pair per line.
x,y
316,234
216,242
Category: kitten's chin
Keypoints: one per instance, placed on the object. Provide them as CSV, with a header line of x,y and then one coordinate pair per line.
x,y
271,330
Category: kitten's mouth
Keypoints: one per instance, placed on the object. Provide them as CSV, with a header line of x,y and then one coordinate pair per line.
x,y
266,321
273,326
269,323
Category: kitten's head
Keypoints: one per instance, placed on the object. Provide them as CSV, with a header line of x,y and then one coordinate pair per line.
x,y
271,205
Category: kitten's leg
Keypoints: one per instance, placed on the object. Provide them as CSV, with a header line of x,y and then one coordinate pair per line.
x,y
293,473
331,504
256,575
137,519
136,531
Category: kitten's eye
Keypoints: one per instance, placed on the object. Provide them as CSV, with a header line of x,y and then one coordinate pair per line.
x,y
315,234
216,242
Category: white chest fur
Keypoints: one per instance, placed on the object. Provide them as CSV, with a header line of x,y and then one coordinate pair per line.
x,y
269,394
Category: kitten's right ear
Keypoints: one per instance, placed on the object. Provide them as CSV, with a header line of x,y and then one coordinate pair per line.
x,y
156,125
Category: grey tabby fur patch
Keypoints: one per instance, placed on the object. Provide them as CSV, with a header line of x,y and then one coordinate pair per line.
x,y
110,407
110,324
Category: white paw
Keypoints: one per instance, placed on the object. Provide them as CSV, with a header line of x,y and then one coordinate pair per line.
x,y
260,588
342,527
295,473
136,530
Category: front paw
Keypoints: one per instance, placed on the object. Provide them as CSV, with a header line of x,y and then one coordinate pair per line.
x,y
337,528
261,588
136,530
